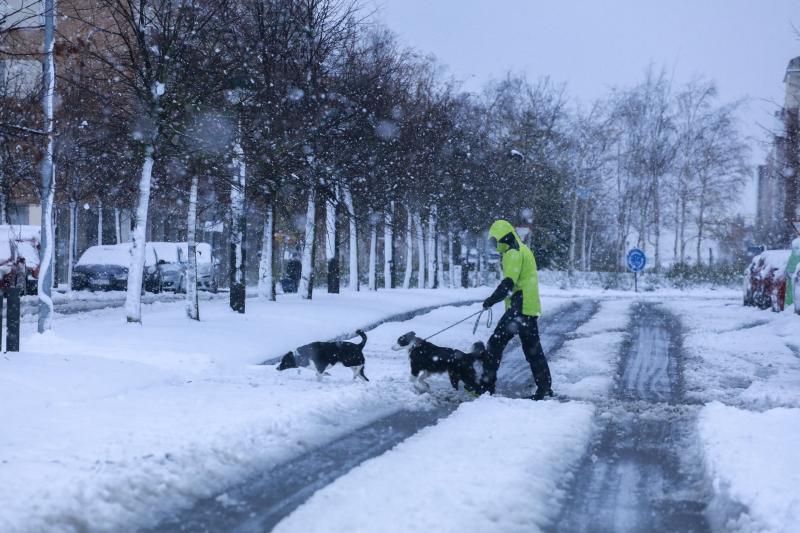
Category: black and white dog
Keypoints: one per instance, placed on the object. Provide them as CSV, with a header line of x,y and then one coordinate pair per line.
x,y
426,358
326,354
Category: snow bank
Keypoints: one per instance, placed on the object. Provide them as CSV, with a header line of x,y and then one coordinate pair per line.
x,y
752,459
739,355
494,465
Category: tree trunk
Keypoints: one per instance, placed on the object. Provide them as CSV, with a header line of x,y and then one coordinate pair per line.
x,y
306,287
238,296
48,173
700,228
657,223
100,222
72,245
3,212
192,303
353,246
372,283
332,243
432,265
117,226
451,271
133,298
584,230
439,262
266,283
479,275
573,225
388,248
409,249
420,251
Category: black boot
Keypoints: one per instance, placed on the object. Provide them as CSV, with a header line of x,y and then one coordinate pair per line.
x,y
541,394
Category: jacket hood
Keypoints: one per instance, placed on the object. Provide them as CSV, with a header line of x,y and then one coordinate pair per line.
x,y
501,228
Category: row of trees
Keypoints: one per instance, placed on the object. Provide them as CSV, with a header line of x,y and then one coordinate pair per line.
x,y
306,113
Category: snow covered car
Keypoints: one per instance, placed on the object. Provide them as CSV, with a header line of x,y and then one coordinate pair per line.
x,y
18,242
796,291
173,261
770,280
105,268
749,280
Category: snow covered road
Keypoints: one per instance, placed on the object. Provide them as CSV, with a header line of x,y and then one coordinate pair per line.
x,y
268,497
643,473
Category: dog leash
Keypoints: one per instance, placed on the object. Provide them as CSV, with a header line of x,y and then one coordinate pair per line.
x,y
478,320
478,313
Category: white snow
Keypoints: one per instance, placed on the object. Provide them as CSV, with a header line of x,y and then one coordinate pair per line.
x,y
753,459
496,464
115,423
744,364
586,365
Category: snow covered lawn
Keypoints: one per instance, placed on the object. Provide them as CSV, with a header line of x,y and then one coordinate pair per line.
x,y
496,464
110,424
754,460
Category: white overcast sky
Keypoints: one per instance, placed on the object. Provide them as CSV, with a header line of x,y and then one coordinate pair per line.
x,y
592,45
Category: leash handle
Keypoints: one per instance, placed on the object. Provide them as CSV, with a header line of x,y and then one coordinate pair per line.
x,y
478,320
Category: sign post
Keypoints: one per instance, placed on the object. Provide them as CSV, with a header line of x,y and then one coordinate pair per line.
x,y
636,260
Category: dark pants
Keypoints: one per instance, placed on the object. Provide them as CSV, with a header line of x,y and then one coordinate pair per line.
x,y
527,327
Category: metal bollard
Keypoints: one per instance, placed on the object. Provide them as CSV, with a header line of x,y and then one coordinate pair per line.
x,y
12,320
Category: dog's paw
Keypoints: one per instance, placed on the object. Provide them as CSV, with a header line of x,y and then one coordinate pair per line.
x,y
421,387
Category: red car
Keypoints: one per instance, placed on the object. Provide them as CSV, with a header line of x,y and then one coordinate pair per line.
x,y
19,249
768,279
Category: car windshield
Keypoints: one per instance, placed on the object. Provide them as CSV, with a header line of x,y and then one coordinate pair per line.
x,y
166,251
202,250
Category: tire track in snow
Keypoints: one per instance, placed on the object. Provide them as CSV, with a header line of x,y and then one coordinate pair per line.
x,y
259,503
644,472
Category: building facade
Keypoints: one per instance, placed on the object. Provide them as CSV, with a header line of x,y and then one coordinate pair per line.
x,y
778,185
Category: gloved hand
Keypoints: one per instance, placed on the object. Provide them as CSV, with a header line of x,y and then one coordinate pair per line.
x,y
487,303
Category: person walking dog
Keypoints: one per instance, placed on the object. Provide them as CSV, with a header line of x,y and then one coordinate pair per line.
x,y
520,290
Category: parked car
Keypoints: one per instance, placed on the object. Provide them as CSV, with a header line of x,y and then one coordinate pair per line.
x,y
13,273
769,288
796,291
105,268
749,280
173,261
19,249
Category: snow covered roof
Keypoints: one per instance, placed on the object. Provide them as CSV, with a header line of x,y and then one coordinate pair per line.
x,y
19,232
776,258
114,254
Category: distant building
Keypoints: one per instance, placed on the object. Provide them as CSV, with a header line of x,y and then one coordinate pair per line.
x,y
778,200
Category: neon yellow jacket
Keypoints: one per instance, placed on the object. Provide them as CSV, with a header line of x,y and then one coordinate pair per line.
x,y
519,265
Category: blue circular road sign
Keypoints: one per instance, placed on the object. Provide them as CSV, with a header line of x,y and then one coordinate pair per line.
x,y
636,260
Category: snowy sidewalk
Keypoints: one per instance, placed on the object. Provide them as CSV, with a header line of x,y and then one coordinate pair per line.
x,y
744,364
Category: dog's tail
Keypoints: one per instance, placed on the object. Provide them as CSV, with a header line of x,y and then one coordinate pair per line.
x,y
363,336
287,361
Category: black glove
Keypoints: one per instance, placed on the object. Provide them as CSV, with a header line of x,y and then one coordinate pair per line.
x,y
500,293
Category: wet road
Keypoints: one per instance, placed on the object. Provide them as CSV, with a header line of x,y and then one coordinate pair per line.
x,y
644,472
262,501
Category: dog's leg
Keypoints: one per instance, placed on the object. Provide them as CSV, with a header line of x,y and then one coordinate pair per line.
x,y
321,373
358,373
